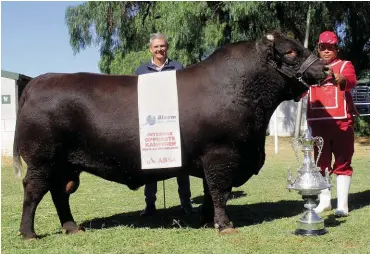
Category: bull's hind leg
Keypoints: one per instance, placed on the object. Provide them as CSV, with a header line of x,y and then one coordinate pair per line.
x,y
219,165
35,185
60,195
207,209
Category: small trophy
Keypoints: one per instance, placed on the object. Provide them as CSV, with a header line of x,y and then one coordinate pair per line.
x,y
309,182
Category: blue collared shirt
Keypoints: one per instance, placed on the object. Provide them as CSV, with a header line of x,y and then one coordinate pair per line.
x,y
150,67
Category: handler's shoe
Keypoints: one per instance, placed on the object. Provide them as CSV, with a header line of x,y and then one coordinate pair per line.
x,y
149,210
343,184
325,201
339,213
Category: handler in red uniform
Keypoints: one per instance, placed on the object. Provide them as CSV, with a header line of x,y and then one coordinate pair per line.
x,y
330,111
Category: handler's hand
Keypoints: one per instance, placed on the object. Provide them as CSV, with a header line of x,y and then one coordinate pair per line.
x,y
340,80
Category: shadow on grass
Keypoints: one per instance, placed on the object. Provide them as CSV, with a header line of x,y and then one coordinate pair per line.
x,y
49,234
241,215
233,195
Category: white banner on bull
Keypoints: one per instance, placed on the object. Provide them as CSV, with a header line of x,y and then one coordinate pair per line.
x,y
160,144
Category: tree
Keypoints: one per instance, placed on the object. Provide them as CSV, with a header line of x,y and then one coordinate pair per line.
x,y
195,29
353,19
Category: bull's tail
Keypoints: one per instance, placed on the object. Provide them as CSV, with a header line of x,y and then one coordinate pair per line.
x,y
17,163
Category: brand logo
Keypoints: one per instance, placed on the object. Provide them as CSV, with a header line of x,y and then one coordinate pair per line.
x,y
162,117
151,120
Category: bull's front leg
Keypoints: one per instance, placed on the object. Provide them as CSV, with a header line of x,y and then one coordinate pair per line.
x,y
220,164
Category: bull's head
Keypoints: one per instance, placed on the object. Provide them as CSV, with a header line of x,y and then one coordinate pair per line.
x,y
291,59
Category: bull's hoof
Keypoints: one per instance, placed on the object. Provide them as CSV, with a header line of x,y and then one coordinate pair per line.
x,y
27,237
70,227
228,231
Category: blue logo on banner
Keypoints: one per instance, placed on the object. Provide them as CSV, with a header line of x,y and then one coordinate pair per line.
x,y
151,120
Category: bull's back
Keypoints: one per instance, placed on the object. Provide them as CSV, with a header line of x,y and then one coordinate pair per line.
x,y
81,117
80,97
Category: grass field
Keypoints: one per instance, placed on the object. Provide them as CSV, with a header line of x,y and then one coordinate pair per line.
x,y
263,210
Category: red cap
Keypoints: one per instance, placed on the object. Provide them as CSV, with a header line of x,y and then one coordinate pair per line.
x,y
328,37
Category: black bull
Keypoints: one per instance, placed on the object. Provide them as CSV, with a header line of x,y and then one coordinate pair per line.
x,y
69,123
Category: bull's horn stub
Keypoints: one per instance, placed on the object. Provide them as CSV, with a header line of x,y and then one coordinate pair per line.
x,y
270,37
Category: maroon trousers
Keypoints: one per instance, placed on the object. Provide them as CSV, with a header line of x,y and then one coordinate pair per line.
x,y
338,142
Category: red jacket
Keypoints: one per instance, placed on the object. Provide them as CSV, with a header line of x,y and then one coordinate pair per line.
x,y
328,104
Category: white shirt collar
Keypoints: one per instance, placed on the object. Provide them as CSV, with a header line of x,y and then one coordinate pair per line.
x,y
160,67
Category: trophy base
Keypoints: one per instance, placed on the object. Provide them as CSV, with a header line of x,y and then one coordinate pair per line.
x,y
305,232
310,224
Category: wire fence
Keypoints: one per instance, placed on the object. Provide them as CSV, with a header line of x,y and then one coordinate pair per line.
x,y
361,98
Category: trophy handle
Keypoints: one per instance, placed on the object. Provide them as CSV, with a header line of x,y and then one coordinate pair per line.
x,y
319,142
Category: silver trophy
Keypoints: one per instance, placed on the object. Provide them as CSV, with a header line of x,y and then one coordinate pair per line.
x,y
309,182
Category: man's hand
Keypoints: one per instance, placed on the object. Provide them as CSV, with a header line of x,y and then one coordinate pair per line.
x,y
337,79
340,80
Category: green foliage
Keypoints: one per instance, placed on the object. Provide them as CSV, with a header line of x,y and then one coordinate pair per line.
x,y
128,63
356,27
364,75
195,29
362,126
249,20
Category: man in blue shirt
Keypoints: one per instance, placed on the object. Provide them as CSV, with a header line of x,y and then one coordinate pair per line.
x,y
160,62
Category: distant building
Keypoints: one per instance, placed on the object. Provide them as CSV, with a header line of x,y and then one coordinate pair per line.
x,y
12,85
286,117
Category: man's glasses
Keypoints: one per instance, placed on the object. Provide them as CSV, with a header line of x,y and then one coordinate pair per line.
x,y
330,47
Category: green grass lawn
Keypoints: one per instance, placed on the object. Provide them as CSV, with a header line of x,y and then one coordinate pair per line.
x,y
263,210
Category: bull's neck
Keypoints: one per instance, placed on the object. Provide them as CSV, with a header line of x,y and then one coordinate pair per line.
x,y
267,91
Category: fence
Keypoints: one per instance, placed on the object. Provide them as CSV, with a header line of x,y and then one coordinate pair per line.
x,y
361,98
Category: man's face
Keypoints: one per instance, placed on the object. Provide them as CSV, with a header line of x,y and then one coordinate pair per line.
x,y
328,52
159,48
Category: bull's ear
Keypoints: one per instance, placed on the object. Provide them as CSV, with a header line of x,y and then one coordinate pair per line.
x,y
266,45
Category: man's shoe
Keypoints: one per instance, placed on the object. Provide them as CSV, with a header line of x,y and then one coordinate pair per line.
x,y
149,210
340,213
187,209
325,201
343,184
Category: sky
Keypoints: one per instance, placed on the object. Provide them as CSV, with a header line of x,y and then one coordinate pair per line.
x,y
35,40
